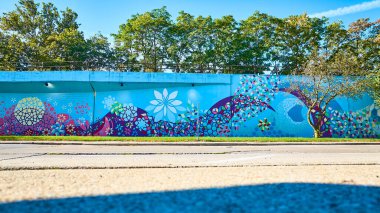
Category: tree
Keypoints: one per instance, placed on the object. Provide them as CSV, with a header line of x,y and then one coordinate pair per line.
x,y
12,56
42,34
364,42
323,79
200,44
227,43
144,38
190,44
374,80
178,44
37,36
66,50
297,36
257,36
100,55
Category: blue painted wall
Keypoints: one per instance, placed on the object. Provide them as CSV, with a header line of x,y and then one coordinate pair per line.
x,y
159,104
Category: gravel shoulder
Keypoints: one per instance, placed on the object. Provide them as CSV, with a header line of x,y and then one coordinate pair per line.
x,y
47,184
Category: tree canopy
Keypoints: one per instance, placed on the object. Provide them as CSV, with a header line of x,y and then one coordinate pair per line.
x,y
40,37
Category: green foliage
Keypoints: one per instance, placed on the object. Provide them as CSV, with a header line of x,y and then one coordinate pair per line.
x,y
258,41
227,44
145,36
11,51
374,80
100,55
297,37
364,43
37,36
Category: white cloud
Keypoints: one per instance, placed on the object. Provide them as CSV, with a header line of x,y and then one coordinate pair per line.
x,y
349,9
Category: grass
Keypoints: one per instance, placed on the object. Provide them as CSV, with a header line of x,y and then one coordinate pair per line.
x,y
181,139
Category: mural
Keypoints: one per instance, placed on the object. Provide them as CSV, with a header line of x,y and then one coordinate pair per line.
x,y
257,105
33,116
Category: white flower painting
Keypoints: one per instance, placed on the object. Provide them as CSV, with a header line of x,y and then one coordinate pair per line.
x,y
108,102
165,106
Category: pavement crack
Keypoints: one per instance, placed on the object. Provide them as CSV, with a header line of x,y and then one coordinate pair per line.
x,y
146,153
157,153
20,157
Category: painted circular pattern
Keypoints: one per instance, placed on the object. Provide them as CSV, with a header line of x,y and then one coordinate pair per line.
x,y
29,111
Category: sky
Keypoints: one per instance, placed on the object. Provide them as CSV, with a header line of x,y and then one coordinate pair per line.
x,y
105,16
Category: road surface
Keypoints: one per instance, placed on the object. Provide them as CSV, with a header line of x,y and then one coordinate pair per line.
x,y
35,156
189,178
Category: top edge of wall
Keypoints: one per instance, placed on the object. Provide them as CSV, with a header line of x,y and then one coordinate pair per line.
x,y
113,76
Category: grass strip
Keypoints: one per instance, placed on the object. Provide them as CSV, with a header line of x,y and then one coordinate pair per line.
x,y
183,139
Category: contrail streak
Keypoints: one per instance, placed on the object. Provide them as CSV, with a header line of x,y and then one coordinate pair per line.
x,y
349,9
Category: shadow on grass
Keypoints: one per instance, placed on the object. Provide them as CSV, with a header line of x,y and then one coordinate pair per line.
x,y
283,197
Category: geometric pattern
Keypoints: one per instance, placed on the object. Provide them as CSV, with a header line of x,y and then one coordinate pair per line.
x,y
29,111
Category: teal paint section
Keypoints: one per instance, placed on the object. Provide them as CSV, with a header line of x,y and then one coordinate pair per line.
x,y
166,104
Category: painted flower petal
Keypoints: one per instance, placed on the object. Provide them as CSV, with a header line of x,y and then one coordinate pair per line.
x,y
164,110
158,108
172,109
180,108
165,93
176,102
154,102
173,95
158,95
171,116
159,116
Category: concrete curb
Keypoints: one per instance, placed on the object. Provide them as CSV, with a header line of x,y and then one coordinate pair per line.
x,y
113,143
7,168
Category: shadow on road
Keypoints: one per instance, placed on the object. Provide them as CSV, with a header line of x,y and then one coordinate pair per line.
x,y
283,197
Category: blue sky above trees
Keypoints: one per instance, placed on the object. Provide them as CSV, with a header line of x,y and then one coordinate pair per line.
x,y
106,16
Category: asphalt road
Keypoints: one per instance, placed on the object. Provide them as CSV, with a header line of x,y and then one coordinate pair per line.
x,y
29,156
192,178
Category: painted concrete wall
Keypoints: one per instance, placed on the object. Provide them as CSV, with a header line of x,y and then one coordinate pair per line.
x,y
158,104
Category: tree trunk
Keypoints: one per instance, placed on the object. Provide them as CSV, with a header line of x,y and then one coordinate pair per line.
x,y
316,127
317,132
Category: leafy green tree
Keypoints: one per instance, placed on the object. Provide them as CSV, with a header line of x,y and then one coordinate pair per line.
x,y
191,46
297,37
12,55
43,33
179,43
334,38
227,43
65,50
375,80
144,38
364,43
258,36
200,44
37,36
100,55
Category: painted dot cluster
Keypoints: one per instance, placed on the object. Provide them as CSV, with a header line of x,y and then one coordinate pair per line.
x,y
29,111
